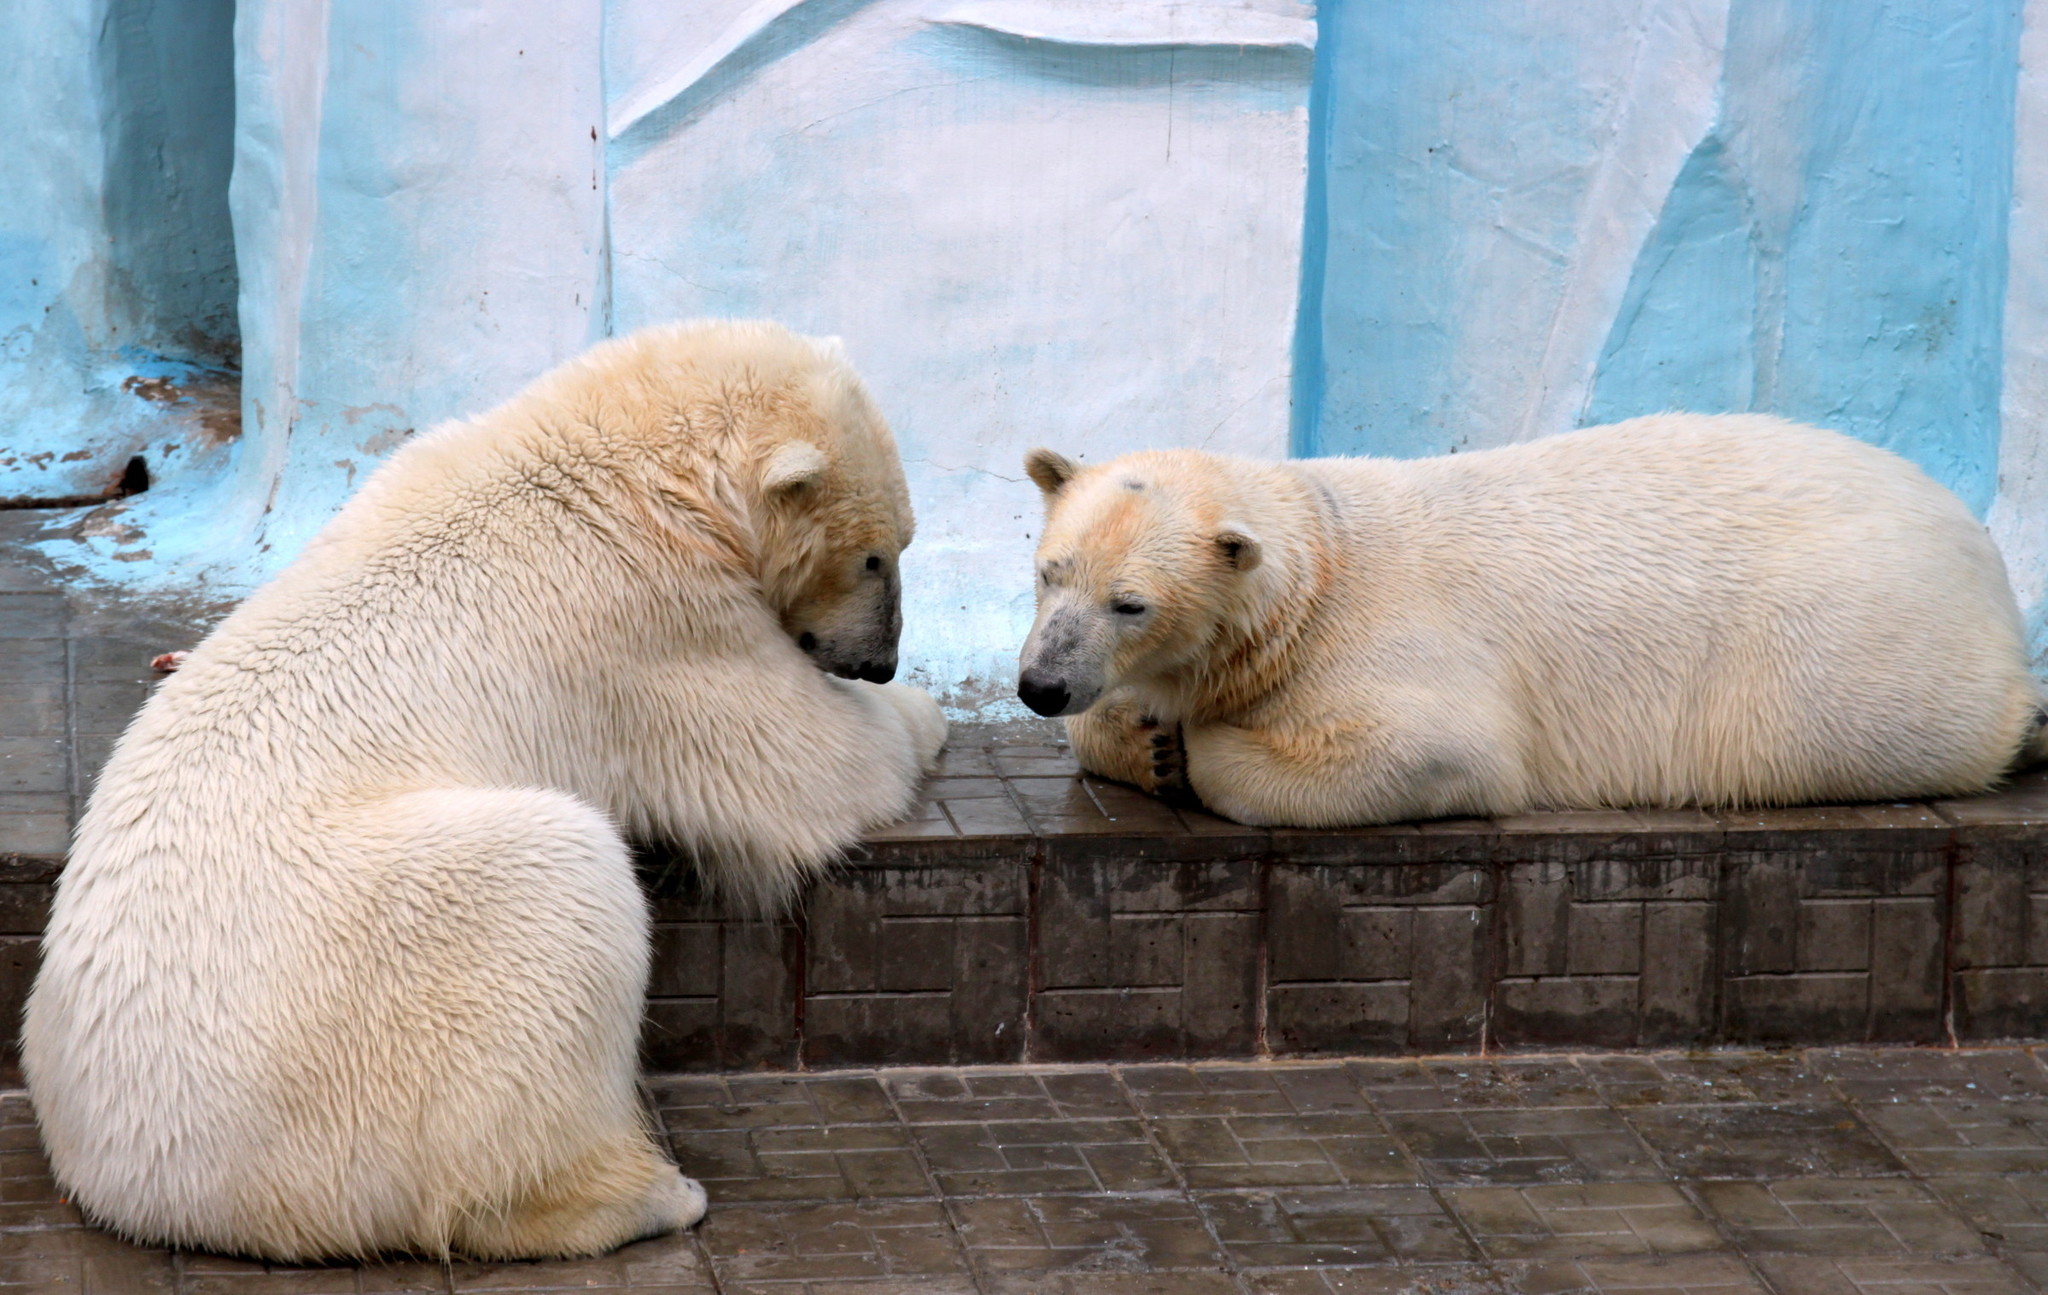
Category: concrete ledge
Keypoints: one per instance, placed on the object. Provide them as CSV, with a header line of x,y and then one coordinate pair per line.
x,y
1024,912
1027,913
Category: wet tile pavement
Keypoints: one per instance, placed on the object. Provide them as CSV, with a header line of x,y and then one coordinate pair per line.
x,y
1025,911
1853,1171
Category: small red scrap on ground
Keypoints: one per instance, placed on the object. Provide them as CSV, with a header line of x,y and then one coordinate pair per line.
x,y
168,662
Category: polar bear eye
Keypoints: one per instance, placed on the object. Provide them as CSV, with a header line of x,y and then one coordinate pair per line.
x,y
1128,607
874,563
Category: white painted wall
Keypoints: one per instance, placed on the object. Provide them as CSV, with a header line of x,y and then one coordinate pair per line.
x,y
1081,223
1034,223
2019,514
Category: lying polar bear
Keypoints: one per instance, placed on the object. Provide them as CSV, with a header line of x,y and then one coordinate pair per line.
x,y
349,955
1675,610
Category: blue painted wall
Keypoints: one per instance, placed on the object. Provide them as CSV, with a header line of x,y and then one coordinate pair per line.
x,y
1068,222
1835,251
118,328
1527,221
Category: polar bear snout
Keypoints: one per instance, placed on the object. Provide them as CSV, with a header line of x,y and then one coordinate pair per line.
x,y
871,662
876,671
1043,693
1062,668
852,631
870,671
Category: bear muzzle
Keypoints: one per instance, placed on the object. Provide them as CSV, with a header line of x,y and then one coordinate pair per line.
x,y
873,667
1043,694
874,671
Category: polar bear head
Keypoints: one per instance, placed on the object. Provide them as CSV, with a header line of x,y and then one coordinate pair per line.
x,y
1141,566
832,518
758,451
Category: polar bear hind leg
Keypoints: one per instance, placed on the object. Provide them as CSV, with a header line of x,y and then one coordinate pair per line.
x,y
504,940
619,1193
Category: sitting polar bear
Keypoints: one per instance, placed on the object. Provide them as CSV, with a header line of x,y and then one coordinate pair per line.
x,y
349,956
1675,610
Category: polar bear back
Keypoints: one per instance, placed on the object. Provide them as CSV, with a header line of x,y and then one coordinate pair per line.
x,y
1685,607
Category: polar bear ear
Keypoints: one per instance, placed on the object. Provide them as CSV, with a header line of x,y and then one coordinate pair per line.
x,y
1240,548
1051,471
794,464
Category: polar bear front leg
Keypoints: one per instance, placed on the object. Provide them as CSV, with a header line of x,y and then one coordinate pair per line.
x,y
1349,774
921,716
1119,739
766,769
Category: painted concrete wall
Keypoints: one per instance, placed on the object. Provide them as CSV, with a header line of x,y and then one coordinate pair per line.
x,y
1073,222
1095,224
117,272
1065,222
2019,514
1539,217
419,210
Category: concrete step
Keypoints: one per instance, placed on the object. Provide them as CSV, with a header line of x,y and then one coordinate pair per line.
x,y
1027,913
1030,913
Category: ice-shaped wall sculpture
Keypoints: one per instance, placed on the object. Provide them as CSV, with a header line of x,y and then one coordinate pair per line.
x,y
1834,249
1064,222
1071,222
117,275
1537,217
1489,173
1095,224
2019,515
419,206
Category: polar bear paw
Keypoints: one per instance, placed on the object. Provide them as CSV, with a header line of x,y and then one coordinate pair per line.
x,y
674,1202
1169,761
1121,740
923,719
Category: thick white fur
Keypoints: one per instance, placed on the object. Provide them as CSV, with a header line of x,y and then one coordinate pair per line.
x,y
1675,610
348,956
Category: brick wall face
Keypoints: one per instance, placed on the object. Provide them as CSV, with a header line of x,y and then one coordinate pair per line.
x,y
1027,913
1117,928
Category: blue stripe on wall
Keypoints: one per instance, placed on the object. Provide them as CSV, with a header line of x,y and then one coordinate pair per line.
x,y
1834,250
1307,393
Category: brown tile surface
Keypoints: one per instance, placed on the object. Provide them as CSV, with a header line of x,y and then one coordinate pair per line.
x,y
1756,1140
1823,1170
1583,1221
1024,912
1851,1218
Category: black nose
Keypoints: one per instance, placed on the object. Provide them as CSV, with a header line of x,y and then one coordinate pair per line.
x,y
1046,696
876,671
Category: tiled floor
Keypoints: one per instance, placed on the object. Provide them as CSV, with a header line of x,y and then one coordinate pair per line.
x,y
1026,912
73,670
1850,1171
1899,1171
